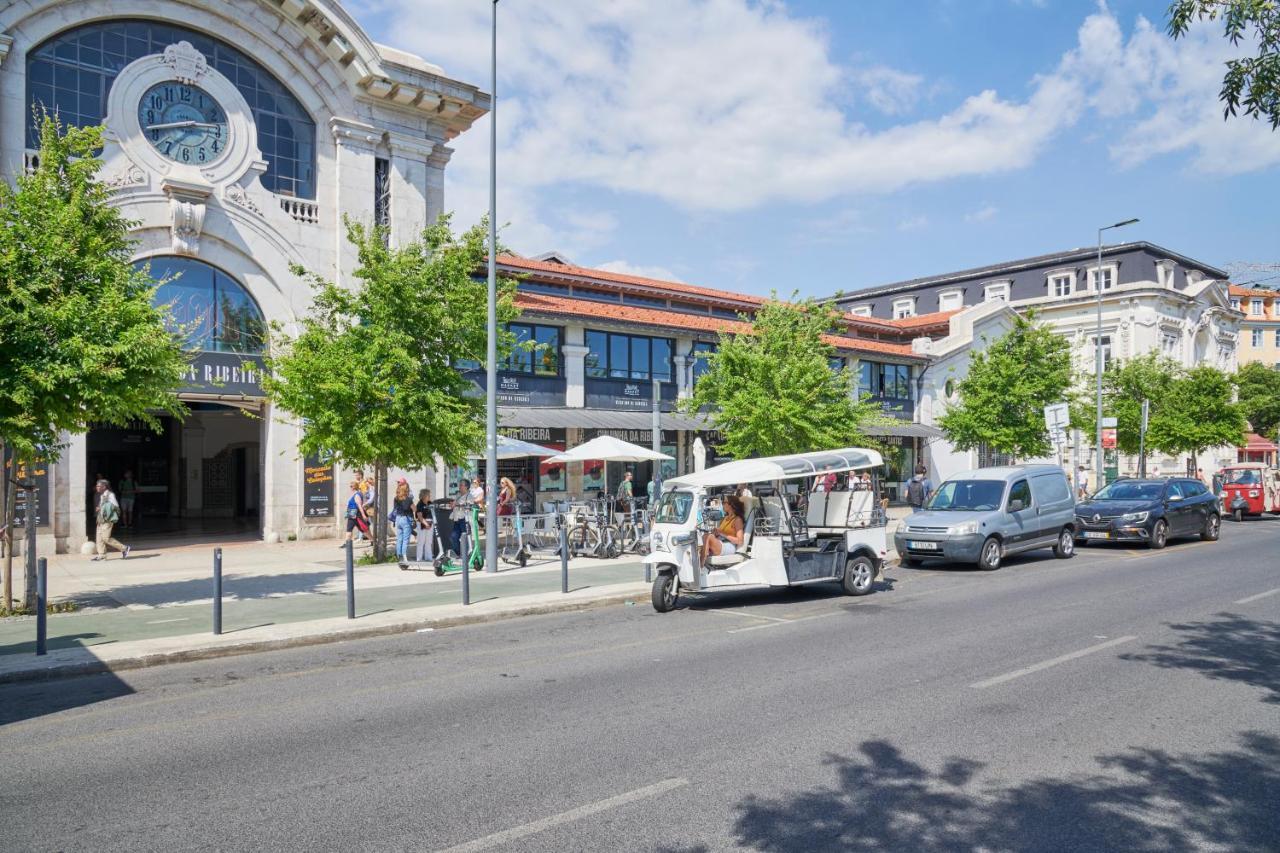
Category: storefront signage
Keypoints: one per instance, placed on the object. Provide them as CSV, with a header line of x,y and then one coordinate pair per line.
x,y
642,437
317,486
232,373
518,389
546,436
41,473
634,396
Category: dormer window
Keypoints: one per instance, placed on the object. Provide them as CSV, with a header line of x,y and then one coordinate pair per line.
x,y
1235,304
861,311
905,307
1255,307
997,290
951,300
1107,274
1061,284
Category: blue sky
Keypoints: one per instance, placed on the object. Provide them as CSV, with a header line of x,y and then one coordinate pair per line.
x,y
817,145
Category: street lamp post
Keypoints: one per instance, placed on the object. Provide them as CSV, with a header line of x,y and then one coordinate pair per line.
x,y
1097,345
491,368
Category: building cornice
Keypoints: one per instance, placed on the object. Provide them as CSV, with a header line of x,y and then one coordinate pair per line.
x,y
6,44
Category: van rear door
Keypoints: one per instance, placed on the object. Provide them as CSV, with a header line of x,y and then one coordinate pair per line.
x,y
1053,501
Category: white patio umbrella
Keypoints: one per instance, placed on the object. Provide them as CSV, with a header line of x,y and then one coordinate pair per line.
x,y
514,448
609,449
699,455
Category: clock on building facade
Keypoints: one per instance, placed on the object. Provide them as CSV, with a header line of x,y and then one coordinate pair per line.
x,y
184,122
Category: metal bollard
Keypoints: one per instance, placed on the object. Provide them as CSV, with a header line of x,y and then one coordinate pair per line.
x,y
564,556
465,557
351,580
217,591
42,604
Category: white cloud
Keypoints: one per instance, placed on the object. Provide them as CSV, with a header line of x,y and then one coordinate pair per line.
x,y
913,223
728,105
641,270
982,214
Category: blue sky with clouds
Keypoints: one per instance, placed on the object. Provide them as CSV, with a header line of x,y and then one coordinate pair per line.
x,y
824,145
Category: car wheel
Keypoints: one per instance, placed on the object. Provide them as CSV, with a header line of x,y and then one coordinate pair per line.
x,y
989,556
859,575
1159,535
1066,547
1212,528
665,592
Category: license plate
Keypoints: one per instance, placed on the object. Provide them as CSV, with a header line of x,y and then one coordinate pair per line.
x,y
923,546
1096,534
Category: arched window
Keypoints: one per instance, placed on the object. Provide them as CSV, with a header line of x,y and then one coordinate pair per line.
x,y
73,71
215,312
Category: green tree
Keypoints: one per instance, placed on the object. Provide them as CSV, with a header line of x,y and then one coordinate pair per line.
x,y
770,389
1252,83
1002,398
80,338
1125,384
1197,412
373,374
1259,391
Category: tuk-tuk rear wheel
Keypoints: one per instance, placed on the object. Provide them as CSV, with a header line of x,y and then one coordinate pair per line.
x,y
665,592
859,575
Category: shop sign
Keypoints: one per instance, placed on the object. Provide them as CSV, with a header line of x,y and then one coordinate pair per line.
x,y
546,436
41,473
518,389
317,486
224,373
631,396
642,437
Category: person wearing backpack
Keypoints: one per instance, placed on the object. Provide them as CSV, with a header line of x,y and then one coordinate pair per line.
x,y
919,489
108,515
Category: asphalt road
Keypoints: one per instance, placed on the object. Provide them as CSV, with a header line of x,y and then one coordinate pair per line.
x,y
1122,700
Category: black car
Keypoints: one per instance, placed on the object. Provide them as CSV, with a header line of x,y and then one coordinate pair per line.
x,y
1149,511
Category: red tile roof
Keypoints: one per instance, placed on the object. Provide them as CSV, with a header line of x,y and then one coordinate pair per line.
x,y
605,276
1237,290
656,317
921,321
1253,441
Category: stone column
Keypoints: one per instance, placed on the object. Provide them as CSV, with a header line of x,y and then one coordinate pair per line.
x,y
75,463
410,158
281,499
684,379
439,158
575,374
193,453
353,174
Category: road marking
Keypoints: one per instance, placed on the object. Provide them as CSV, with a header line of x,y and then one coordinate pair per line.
x,y
1260,595
163,621
742,613
785,622
525,830
1036,667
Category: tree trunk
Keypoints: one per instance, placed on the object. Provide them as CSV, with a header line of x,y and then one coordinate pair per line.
x,y
380,513
6,519
29,552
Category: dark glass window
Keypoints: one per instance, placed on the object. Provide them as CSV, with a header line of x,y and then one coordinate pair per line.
x,y
725,313
630,299
701,349
540,354
543,287
630,357
876,379
72,72
596,295
381,191
212,310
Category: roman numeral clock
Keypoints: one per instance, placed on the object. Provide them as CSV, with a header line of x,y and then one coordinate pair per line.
x,y
177,127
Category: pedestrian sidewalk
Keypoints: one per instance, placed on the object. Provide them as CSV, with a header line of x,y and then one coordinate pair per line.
x,y
157,607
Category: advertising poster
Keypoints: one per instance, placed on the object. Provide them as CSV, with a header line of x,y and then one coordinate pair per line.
x,y
593,476
551,475
317,486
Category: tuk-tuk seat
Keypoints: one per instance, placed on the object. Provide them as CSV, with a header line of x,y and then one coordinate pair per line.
x,y
742,553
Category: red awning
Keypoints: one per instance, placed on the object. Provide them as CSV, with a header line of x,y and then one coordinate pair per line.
x,y
1253,441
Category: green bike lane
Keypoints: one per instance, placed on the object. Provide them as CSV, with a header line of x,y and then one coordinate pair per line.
x,y
103,627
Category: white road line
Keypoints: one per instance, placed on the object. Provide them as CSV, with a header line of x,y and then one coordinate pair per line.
x,y
746,615
525,830
786,622
1036,667
163,621
1260,595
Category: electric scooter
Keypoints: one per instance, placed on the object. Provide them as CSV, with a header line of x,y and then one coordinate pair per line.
x,y
443,531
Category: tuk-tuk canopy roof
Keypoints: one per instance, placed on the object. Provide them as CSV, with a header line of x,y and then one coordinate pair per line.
x,y
771,468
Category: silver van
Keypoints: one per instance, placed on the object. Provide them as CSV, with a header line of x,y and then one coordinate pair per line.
x,y
983,516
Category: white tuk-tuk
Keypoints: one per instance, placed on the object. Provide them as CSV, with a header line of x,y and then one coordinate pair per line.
x,y
792,533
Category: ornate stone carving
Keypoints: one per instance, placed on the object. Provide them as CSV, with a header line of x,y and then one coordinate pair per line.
x,y
187,204
188,64
237,195
130,177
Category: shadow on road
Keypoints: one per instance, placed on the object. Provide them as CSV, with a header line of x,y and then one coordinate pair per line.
x,y
28,700
1230,648
242,587
1139,800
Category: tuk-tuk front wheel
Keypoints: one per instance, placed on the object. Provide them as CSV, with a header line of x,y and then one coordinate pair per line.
x,y
859,575
1239,515
665,592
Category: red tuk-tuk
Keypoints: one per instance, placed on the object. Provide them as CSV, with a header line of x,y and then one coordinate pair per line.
x,y
1250,488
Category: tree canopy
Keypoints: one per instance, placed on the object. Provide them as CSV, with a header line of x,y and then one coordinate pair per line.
x,y
1002,398
1125,384
80,339
771,390
373,374
1259,390
1197,412
1251,84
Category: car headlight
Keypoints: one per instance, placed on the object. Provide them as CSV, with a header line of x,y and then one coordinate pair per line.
x,y
969,527
1253,493
682,539
1136,517
657,542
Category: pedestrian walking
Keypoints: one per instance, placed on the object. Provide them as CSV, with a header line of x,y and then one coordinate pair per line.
x,y
1082,483
107,516
919,488
128,495
626,491
357,521
402,516
460,515
426,527
506,497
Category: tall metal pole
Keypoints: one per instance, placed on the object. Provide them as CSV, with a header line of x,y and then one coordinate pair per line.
x,y
656,444
1097,345
491,374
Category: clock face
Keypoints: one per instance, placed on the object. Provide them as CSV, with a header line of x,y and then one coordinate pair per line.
x,y
183,122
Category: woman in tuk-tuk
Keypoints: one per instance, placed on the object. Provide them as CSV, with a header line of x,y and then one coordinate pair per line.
x,y
728,536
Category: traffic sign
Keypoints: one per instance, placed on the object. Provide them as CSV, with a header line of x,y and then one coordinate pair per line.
x,y
1056,416
1110,423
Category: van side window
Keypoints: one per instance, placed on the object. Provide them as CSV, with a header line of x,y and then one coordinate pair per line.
x,y
1020,492
1050,488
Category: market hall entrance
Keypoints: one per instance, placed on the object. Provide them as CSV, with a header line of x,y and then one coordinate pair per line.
x,y
198,479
